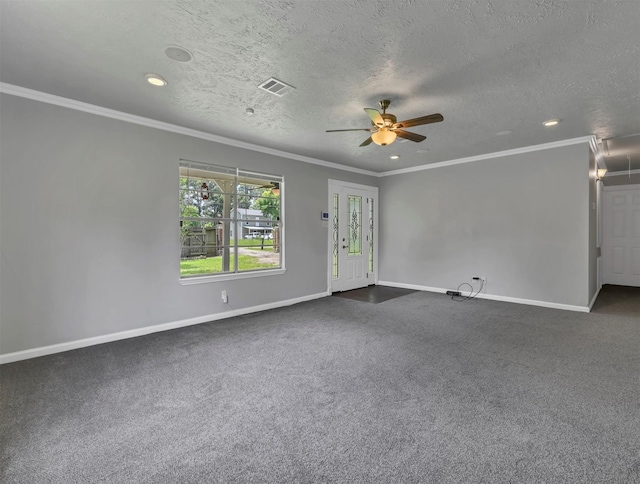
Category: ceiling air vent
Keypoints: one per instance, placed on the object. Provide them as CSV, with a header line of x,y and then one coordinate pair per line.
x,y
274,86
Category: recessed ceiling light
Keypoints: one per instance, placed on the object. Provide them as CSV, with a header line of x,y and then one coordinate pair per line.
x,y
155,80
551,122
178,53
394,157
504,133
250,112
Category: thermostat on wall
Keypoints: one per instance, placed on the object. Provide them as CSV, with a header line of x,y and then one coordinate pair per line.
x,y
325,215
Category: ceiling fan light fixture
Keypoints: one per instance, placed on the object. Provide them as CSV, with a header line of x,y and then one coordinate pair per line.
x,y
386,129
383,137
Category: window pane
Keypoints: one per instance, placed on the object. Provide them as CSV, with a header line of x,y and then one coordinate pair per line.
x,y
355,225
198,266
256,257
225,212
204,197
268,207
199,238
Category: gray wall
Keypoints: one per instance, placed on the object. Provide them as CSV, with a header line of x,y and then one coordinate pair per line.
x,y
89,214
89,243
522,221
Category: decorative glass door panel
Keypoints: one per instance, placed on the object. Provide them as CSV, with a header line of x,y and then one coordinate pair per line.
x,y
335,247
370,237
355,225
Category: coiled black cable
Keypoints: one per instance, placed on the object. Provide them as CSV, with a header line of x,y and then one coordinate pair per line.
x,y
471,295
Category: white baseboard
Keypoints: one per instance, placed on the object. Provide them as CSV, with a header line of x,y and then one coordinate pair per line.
x,y
412,286
132,333
493,297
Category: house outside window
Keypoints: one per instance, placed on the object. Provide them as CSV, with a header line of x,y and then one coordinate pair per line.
x,y
231,222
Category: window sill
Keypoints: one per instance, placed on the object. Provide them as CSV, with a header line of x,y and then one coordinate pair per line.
x,y
188,281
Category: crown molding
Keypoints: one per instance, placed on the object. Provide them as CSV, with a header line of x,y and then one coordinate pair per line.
x,y
488,156
173,128
593,143
621,173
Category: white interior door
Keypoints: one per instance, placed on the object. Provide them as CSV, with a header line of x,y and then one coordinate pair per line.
x,y
352,236
621,236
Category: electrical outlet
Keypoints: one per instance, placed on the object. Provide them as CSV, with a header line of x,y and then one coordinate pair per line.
x,y
225,299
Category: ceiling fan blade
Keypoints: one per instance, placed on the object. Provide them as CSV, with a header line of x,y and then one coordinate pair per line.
x,y
368,141
356,129
410,136
432,118
374,114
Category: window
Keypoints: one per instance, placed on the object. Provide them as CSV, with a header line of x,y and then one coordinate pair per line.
x,y
231,222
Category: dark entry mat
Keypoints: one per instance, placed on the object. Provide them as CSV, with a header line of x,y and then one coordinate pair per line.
x,y
619,300
374,294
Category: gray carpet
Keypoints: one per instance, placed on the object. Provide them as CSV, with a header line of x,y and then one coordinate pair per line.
x,y
415,389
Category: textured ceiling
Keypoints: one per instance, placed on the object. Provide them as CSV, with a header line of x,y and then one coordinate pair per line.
x,y
487,66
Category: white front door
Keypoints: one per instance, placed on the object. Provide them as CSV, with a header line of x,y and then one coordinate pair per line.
x,y
352,235
621,235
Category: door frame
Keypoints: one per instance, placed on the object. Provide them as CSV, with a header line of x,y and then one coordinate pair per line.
x,y
332,185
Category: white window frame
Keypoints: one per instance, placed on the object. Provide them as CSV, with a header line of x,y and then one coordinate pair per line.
x,y
238,175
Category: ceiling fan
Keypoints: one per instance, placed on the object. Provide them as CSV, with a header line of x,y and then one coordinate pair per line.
x,y
274,187
386,127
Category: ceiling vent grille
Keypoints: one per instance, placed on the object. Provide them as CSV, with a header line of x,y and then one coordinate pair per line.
x,y
274,86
